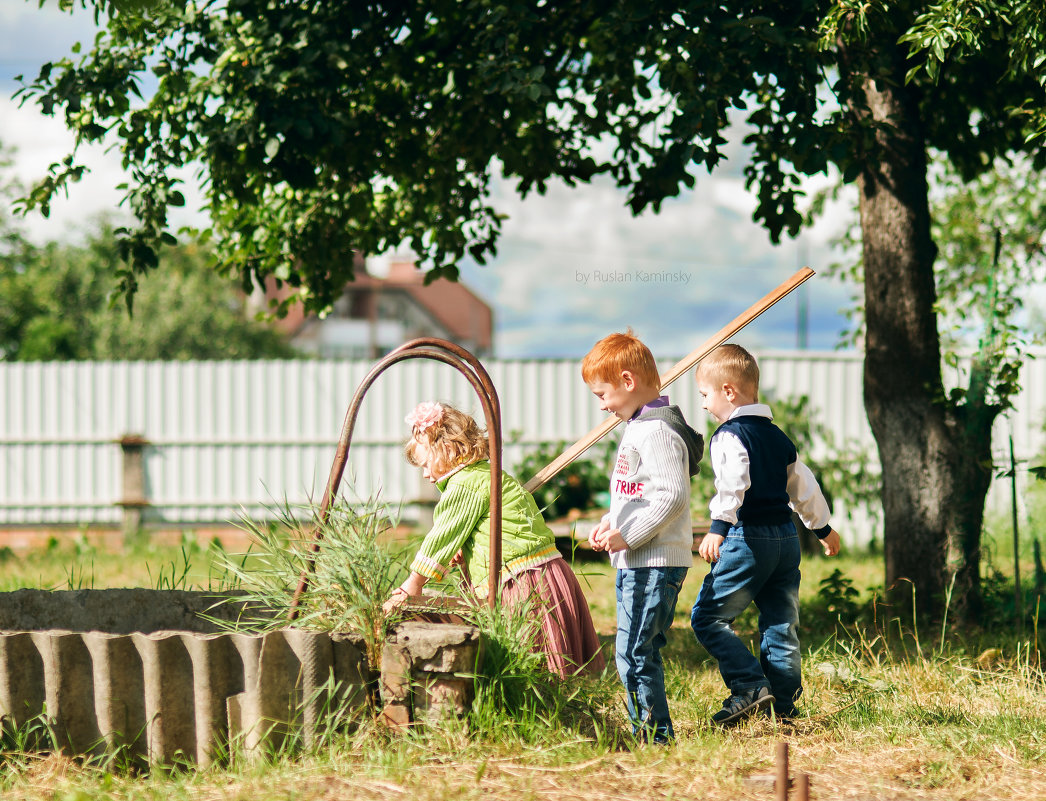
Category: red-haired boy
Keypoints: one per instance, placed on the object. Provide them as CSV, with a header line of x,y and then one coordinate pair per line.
x,y
647,531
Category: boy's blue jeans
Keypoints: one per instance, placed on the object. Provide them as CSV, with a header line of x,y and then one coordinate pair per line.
x,y
761,564
646,602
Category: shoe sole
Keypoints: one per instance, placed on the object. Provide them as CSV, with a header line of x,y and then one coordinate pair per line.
x,y
746,712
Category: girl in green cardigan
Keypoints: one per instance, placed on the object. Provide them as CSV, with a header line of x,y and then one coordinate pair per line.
x,y
452,451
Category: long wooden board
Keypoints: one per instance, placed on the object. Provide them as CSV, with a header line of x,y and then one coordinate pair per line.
x,y
684,364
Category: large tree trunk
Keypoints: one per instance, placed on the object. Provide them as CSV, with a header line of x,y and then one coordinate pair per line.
x,y
935,457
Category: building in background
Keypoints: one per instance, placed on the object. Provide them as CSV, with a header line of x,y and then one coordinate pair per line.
x,y
375,315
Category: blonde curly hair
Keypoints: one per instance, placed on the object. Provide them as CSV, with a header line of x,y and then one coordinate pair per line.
x,y
455,439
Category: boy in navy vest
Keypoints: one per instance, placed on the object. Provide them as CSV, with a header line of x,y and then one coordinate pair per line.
x,y
752,543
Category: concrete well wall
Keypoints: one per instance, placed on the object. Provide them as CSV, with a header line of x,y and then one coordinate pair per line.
x,y
153,673
142,670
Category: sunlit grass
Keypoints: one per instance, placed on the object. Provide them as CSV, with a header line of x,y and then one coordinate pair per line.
x,y
73,562
886,714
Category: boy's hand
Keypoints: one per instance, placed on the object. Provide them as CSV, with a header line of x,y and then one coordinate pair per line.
x,y
709,547
613,541
595,536
831,544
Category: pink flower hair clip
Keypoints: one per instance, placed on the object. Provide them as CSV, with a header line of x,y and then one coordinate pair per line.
x,y
425,414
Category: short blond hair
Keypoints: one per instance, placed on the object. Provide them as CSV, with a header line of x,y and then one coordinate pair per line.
x,y
616,353
456,439
730,364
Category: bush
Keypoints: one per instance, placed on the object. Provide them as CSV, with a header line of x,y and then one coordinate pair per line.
x,y
580,485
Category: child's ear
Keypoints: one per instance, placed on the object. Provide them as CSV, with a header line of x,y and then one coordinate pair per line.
x,y
628,380
729,392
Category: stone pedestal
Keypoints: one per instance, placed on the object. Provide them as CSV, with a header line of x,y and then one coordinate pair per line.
x,y
427,672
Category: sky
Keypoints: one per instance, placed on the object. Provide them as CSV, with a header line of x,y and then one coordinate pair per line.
x,y
572,265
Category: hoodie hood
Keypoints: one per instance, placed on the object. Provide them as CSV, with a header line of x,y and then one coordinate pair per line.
x,y
673,418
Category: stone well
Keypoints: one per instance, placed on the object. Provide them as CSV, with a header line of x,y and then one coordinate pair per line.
x,y
146,671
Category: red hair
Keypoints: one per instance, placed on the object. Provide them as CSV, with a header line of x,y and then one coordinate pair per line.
x,y
615,354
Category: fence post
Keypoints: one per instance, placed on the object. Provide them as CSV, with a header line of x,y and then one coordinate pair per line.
x,y
133,495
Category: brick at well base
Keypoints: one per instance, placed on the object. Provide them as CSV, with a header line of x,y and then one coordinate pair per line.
x,y
426,672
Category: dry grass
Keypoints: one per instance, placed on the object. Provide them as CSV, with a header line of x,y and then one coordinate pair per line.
x,y
886,717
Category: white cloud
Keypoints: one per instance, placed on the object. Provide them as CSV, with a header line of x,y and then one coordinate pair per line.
x,y
574,265
38,142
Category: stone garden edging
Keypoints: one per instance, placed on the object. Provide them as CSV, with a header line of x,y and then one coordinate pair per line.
x,y
142,671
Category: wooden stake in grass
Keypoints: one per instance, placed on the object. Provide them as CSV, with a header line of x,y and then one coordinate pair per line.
x,y
781,781
802,787
688,361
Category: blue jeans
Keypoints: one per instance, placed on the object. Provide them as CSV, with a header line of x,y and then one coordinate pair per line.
x,y
646,602
761,564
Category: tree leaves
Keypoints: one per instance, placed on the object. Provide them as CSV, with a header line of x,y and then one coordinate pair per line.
x,y
323,130
61,302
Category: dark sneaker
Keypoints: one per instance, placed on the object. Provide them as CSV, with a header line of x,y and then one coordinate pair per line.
x,y
738,707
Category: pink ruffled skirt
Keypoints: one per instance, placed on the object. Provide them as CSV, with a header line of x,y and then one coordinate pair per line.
x,y
567,635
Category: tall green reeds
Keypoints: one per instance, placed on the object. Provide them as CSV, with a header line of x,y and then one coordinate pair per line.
x,y
349,575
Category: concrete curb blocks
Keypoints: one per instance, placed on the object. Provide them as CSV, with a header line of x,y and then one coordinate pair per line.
x,y
145,672
112,682
166,697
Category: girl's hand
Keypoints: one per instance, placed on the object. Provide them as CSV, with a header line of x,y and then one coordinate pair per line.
x,y
458,560
398,598
411,586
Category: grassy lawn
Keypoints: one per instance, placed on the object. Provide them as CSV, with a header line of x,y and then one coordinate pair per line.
x,y
889,713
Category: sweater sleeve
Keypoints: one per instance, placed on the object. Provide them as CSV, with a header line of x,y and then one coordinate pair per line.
x,y
806,498
454,521
730,462
664,457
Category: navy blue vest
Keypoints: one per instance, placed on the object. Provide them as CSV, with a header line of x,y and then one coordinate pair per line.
x,y
769,454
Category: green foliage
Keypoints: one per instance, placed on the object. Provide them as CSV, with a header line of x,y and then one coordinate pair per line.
x,y
328,129
839,596
350,574
306,163
318,145
11,238
952,31
57,302
580,485
513,690
989,235
991,252
175,575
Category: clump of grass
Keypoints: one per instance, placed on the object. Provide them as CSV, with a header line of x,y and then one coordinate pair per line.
x,y
349,572
350,575
517,698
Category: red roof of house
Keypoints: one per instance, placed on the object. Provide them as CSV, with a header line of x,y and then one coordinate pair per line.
x,y
452,304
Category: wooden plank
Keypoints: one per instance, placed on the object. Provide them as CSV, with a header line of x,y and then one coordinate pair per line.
x,y
684,364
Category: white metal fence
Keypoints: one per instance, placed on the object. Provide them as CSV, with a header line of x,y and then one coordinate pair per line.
x,y
226,436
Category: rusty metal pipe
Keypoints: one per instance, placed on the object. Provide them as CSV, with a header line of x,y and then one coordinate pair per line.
x,y
469,366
